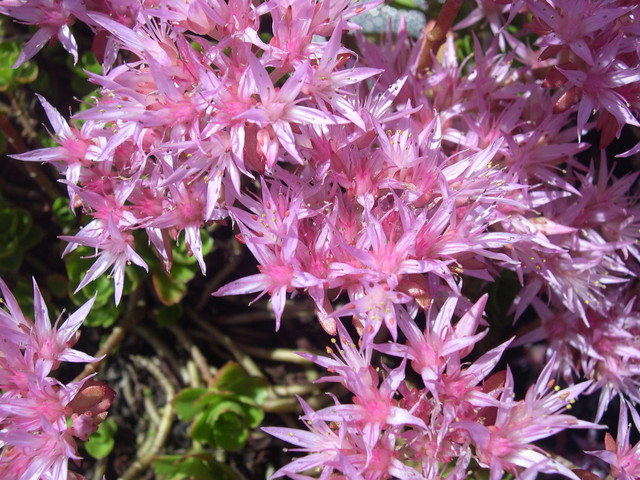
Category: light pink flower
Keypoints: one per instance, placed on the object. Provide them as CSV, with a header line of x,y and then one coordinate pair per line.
x,y
52,17
624,459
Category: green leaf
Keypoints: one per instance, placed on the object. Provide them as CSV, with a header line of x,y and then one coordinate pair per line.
x,y
232,378
169,290
9,53
229,431
252,389
101,442
229,405
252,414
406,4
172,287
201,430
26,73
229,372
192,467
87,63
104,316
185,403
57,284
62,213
9,77
166,465
183,273
17,235
204,427
169,315
90,63
182,256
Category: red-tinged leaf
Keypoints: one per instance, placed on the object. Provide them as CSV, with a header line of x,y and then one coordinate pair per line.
x,y
609,443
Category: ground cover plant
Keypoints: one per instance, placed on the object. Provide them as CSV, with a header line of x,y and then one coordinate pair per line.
x,y
296,247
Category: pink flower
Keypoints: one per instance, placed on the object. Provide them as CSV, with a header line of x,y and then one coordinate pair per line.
x,y
114,249
431,350
39,416
327,447
279,274
506,443
278,107
603,86
573,24
53,343
52,17
624,459
77,147
374,407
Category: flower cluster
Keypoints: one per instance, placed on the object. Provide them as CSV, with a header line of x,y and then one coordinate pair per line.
x,y
434,429
39,416
381,189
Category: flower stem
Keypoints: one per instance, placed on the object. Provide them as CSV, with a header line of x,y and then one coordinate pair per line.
x,y
433,38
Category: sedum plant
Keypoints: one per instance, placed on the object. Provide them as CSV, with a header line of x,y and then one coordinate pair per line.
x,y
392,183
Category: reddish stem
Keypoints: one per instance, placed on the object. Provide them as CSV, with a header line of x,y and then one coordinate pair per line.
x,y
433,39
